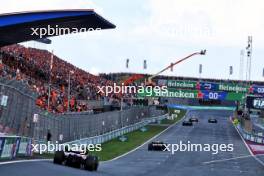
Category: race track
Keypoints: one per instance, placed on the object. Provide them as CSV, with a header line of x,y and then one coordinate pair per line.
x,y
142,162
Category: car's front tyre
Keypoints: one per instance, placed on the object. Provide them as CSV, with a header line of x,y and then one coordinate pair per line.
x,y
59,157
91,163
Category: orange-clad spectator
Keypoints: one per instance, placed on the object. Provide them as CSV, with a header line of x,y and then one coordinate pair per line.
x,y
35,65
72,102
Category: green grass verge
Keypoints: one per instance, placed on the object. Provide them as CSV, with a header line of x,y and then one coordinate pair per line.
x,y
115,147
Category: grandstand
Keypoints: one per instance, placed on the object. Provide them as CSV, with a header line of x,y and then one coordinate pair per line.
x,y
33,66
42,93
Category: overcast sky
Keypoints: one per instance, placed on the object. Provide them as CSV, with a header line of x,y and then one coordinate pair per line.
x,y
160,31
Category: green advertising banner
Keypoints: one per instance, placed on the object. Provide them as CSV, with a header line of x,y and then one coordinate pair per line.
x,y
233,88
174,93
199,94
208,86
232,96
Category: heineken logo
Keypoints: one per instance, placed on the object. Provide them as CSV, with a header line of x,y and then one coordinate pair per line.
x,y
184,84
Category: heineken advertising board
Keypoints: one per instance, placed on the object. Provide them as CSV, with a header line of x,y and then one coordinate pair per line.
x,y
233,88
200,94
182,84
174,93
196,85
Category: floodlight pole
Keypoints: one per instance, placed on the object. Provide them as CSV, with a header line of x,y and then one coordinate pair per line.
x,y
69,91
249,55
51,63
203,52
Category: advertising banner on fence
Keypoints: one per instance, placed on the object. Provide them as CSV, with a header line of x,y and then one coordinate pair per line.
x,y
7,149
10,147
213,86
255,102
207,86
171,92
25,147
221,95
2,142
257,89
182,84
233,88
212,95
200,94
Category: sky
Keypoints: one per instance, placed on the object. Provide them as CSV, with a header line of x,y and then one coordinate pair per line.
x,y
162,32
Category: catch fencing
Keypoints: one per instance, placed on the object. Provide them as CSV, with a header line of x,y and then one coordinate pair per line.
x,y
119,132
22,117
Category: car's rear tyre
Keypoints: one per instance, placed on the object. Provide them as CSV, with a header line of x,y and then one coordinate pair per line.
x,y
69,160
91,163
76,161
150,147
59,157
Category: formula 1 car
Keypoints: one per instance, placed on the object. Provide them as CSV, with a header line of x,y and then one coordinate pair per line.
x,y
156,146
187,123
76,159
193,119
211,120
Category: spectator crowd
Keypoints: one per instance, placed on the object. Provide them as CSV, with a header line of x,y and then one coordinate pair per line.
x,y
51,77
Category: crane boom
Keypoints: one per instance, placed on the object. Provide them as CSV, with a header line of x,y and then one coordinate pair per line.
x,y
203,52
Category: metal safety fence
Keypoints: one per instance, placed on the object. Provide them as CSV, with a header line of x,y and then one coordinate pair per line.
x,y
119,132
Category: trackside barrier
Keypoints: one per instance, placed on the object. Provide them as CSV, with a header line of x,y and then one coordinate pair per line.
x,y
14,146
250,137
119,132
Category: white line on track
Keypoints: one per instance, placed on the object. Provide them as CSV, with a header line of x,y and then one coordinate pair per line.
x,y
227,159
24,161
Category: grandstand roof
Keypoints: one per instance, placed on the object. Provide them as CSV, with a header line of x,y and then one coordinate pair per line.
x,y
19,27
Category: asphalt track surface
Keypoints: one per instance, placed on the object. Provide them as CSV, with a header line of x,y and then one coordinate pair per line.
x,y
142,162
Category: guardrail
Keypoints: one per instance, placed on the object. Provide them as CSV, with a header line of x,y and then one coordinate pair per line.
x,y
16,146
119,132
249,136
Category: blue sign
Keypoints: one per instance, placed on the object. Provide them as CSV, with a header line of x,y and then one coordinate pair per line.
x,y
208,86
257,89
211,95
16,147
2,143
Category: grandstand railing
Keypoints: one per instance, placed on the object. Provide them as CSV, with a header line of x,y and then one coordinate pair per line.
x,y
119,132
250,137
